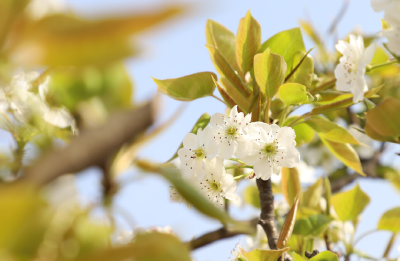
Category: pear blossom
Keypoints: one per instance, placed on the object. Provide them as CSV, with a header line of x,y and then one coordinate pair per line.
x,y
352,67
237,252
197,151
393,36
273,148
381,5
217,184
175,196
230,132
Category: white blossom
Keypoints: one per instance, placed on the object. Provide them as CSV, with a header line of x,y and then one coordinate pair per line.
x,y
197,151
273,148
380,5
393,36
230,132
217,184
306,174
237,252
352,67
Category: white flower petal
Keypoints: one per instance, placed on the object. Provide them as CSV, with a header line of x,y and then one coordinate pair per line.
x,y
379,5
262,169
291,158
226,149
244,147
190,141
286,136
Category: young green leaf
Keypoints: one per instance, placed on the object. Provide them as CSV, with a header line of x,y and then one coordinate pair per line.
x,y
291,185
239,99
325,256
269,71
188,88
224,40
202,122
304,74
345,153
330,130
385,24
264,255
312,195
226,70
293,94
288,226
248,42
304,133
251,196
390,220
349,204
328,195
287,44
314,225
228,99
384,118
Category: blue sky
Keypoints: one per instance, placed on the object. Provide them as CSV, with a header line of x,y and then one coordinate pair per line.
x,y
177,49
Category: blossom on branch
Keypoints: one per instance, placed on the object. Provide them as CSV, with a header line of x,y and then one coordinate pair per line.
x,y
352,67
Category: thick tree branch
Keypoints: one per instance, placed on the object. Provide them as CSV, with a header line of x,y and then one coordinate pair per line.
x,y
92,146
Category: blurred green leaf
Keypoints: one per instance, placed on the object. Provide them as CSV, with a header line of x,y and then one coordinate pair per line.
x,y
389,173
325,256
345,153
290,183
68,40
384,118
304,74
293,94
202,122
297,257
9,11
276,107
304,133
390,220
225,69
385,24
188,88
286,44
327,195
311,197
349,204
312,226
330,130
269,71
251,196
248,42
265,255
225,41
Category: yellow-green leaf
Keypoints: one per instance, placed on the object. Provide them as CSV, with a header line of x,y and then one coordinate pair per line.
x,y
304,74
311,197
330,130
286,43
385,24
288,225
239,99
390,220
269,71
384,118
264,255
248,42
349,204
328,195
293,94
325,256
290,183
9,11
251,196
345,153
314,225
230,102
188,88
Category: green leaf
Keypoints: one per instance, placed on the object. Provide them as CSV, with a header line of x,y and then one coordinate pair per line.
x,y
293,94
248,42
290,183
342,103
226,70
314,225
391,174
251,196
385,24
202,122
349,204
325,256
9,11
239,99
304,74
345,153
304,133
65,39
330,130
384,118
311,197
224,40
188,88
230,102
297,257
390,220
327,195
269,71
265,255
286,44
288,225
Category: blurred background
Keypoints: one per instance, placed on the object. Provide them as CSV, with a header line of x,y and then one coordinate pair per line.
x,y
176,48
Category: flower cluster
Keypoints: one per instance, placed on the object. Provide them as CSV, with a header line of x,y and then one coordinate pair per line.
x,y
267,148
18,98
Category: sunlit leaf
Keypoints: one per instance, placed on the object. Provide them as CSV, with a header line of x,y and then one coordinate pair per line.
x,y
297,257
219,36
287,228
286,44
385,24
389,173
188,88
251,196
384,118
349,204
293,94
325,256
330,130
248,42
345,153
230,102
264,255
202,122
9,11
390,220
304,74
290,183
327,195
312,226
312,195
239,99
269,71
304,133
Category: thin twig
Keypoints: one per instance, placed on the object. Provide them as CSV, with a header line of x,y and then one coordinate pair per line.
x,y
218,99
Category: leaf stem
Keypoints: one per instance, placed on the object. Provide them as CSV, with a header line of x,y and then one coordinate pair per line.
x,y
371,67
219,99
266,118
243,175
390,244
237,160
240,167
299,118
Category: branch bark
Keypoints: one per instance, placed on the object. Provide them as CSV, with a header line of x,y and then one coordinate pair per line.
x,y
92,146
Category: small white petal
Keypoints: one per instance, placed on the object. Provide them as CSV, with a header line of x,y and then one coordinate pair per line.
x,y
190,141
227,149
262,169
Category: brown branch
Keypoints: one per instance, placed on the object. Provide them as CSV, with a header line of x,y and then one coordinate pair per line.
x,y
218,234
92,146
